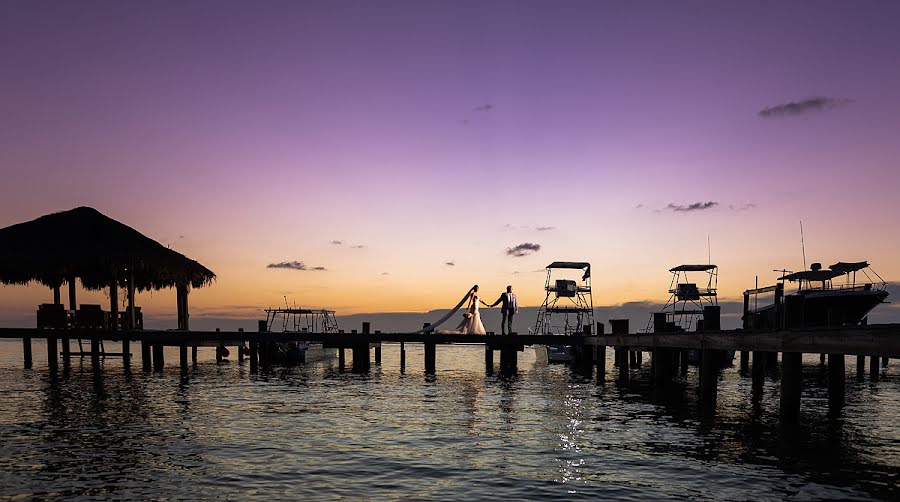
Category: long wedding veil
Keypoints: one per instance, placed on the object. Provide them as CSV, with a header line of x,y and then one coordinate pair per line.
x,y
430,327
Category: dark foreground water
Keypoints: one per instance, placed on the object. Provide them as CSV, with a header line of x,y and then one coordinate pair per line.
x,y
314,432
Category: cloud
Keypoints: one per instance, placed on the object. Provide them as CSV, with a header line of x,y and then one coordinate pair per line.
x,y
544,229
358,246
337,242
524,249
816,104
450,263
385,273
742,207
639,206
293,265
483,108
696,206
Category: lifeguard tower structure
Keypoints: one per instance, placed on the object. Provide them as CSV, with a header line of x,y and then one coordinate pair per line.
x,y
568,306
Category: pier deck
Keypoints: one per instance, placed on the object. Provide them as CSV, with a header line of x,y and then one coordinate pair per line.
x,y
876,339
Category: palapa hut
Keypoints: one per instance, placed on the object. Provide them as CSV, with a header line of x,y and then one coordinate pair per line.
x,y
103,253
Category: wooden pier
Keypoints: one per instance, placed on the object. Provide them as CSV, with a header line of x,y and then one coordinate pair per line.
x,y
668,351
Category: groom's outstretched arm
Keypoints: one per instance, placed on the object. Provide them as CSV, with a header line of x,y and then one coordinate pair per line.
x,y
498,301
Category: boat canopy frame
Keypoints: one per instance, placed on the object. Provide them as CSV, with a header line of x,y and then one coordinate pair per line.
x,y
302,320
688,299
568,305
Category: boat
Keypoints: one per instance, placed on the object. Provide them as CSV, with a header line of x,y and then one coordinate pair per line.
x,y
300,320
693,305
824,298
568,308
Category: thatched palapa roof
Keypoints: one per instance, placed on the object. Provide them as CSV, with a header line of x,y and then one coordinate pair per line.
x,y
87,244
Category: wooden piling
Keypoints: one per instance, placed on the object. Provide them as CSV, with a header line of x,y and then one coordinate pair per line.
x,y
26,351
158,357
402,357
884,361
361,357
378,354
709,376
488,359
254,356
745,362
860,367
183,357
146,358
508,360
95,353
620,327
430,356
791,384
662,367
874,371
342,359
52,356
600,356
836,384
194,355
758,372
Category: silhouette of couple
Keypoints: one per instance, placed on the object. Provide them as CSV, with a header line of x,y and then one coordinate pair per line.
x,y
471,324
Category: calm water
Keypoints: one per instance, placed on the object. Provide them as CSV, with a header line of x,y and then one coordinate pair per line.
x,y
315,432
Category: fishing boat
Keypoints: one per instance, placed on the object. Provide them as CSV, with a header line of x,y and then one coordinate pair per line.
x,y
568,308
836,296
299,320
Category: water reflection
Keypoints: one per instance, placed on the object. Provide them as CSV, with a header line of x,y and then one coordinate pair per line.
x,y
545,432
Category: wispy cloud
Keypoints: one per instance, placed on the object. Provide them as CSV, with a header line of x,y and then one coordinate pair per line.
x,y
337,242
483,108
816,104
385,273
294,265
358,246
696,206
742,207
544,229
524,249
450,263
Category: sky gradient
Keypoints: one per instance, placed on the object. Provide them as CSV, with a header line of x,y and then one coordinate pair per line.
x,y
420,134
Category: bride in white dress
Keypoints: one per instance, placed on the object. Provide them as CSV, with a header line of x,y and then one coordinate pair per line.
x,y
471,323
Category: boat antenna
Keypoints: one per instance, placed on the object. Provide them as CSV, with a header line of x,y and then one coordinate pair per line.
x,y
802,245
708,251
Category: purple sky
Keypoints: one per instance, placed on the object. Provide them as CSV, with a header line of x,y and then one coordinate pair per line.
x,y
245,133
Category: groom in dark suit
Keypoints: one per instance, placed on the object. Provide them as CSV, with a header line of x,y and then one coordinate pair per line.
x,y
509,309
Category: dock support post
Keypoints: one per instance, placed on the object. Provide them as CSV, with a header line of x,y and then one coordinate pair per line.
x,y
183,357
488,359
791,382
745,362
601,364
709,376
254,356
378,354
52,356
758,372
146,359
873,367
620,327
158,357
884,361
342,359
662,371
860,367
623,369
95,353
508,360
26,351
430,356
194,355
361,357
402,357
836,385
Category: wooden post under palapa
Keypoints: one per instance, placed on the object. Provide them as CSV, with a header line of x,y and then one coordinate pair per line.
x,y
836,384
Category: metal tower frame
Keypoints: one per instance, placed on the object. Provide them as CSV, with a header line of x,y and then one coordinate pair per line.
x,y
568,305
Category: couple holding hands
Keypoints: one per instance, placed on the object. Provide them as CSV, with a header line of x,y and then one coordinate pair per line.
x,y
472,325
